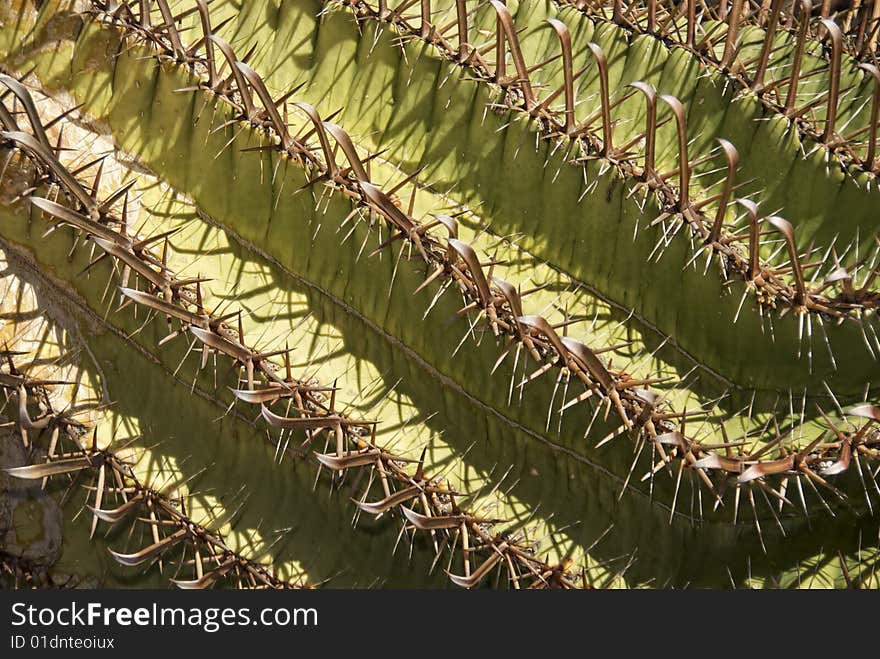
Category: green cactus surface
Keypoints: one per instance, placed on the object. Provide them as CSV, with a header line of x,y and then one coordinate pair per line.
x,y
462,293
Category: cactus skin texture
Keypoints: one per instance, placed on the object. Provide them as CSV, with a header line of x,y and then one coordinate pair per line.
x,y
462,293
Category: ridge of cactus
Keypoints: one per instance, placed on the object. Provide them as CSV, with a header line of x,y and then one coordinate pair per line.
x,y
440,514
446,259
816,363
71,451
750,59
57,418
691,433
679,25
80,195
599,145
320,510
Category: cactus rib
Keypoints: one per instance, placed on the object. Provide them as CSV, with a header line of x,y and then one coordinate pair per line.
x,y
176,297
839,146
639,411
772,288
344,364
165,517
770,283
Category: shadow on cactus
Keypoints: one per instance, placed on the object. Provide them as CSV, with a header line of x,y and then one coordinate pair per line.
x,y
518,295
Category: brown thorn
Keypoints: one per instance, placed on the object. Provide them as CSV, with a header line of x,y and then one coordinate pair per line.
x,y
784,227
875,115
271,109
461,16
806,7
565,44
754,237
834,90
312,113
45,156
173,34
607,125
733,20
505,23
348,149
427,28
691,23
684,174
650,124
243,89
769,33
467,254
732,156
23,95
205,18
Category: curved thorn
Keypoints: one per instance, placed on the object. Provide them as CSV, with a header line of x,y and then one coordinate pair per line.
x,y
173,34
588,360
426,28
379,507
205,19
312,114
540,323
684,168
767,48
145,12
269,106
715,461
362,459
145,554
732,157
208,579
28,142
511,295
806,7
329,421
691,24
435,523
244,91
163,307
865,411
650,124
505,23
784,227
74,219
754,237
567,72
469,256
44,470
261,396
842,463
452,229
461,21
222,344
158,279
733,20
24,418
875,115
836,37
484,569
7,121
768,468
607,125
348,149
27,101
113,516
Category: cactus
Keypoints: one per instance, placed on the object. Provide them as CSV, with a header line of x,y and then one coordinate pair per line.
x,y
545,294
